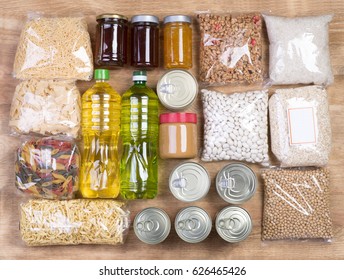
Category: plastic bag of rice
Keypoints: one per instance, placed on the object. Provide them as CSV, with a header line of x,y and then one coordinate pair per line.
x,y
299,50
54,48
300,126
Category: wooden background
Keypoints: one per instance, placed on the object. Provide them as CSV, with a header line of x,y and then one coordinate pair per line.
x,y
12,17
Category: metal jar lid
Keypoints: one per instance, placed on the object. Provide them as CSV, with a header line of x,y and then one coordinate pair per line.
x,y
111,16
193,224
145,18
236,183
189,182
233,224
152,225
177,89
177,18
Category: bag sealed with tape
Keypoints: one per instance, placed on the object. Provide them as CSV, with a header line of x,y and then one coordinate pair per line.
x,y
54,48
48,168
72,222
230,49
300,126
46,107
235,126
296,204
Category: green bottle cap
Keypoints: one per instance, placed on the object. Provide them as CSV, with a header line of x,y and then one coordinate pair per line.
x,y
101,74
139,75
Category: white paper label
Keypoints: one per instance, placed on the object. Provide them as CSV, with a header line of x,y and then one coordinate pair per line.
x,y
301,124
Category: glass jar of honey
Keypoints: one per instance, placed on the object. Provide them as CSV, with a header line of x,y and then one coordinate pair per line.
x,y
178,135
111,40
177,42
145,41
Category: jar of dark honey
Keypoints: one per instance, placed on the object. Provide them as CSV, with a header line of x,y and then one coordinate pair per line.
x,y
145,41
111,40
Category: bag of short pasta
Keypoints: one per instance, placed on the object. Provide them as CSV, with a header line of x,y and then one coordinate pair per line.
x,y
71,222
54,47
46,107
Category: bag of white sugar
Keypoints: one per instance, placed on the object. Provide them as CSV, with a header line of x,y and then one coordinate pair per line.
x,y
54,48
300,126
235,126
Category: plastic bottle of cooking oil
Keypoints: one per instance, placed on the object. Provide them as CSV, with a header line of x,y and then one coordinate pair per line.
x,y
101,112
139,131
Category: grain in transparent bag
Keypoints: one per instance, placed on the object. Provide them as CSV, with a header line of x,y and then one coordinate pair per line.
x,y
46,108
296,204
54,47
73,222
230,48
299,50
300,126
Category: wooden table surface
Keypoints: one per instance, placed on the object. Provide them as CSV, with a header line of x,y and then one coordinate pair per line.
x,y
12,17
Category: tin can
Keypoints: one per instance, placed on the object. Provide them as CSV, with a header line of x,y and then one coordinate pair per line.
x,y
193,224
189,182
236,183
233,224
177,89
152,225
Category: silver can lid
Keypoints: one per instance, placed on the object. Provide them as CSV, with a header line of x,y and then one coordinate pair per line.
x,y
145,18
189,182
193,224
236,183
177,89
233,224
177,18
152,225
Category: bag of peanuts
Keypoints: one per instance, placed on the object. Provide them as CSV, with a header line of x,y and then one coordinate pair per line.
x,y
54,47
230,49
235,126
296,204
46,107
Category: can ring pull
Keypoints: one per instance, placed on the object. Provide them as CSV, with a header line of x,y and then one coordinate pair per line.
x,y
189,224
227,182
168,88
180,182
145,226
229,223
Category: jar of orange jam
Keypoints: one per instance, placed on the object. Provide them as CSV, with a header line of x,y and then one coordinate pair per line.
x,y
177,42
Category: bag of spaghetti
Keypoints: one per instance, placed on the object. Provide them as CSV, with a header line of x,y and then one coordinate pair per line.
x,y
72,222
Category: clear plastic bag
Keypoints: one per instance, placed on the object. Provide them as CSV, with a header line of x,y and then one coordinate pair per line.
x,y
54,48
299,50
235,126
300,126
72,222
230,49
48,168
46,107
296,204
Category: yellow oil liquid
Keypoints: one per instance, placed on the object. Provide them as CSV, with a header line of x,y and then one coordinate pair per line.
x,y
100,171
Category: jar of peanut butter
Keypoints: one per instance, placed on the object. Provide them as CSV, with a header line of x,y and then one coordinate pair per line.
x,y
178,135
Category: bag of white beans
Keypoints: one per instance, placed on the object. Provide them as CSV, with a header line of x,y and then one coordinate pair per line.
x,y
235,126
300,126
